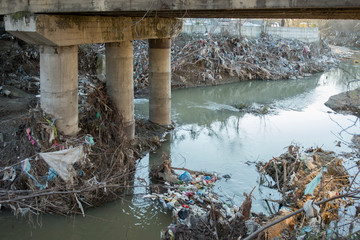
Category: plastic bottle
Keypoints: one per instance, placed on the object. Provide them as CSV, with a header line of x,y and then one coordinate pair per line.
x,y
163,202
184,212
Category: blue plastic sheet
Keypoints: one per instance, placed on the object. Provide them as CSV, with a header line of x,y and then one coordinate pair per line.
x,y
26,168
185,177
51,174
314,183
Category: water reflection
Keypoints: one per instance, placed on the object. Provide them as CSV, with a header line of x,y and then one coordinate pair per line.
x,y
156,157
199,105
212,135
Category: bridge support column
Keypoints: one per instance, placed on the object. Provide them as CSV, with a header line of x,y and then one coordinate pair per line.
x,y
160,81
119,81
59,86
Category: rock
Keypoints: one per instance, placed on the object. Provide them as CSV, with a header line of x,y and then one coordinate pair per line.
x,y
1,137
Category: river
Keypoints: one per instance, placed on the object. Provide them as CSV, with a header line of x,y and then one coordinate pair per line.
x,y
212,135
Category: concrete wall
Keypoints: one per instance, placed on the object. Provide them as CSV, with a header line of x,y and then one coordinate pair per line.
x,y
209,28
251,31
254,31
302,34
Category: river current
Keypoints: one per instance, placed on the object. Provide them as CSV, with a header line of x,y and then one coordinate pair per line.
x,y
214,136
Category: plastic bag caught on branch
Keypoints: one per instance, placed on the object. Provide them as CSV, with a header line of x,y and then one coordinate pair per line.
x,y
62,161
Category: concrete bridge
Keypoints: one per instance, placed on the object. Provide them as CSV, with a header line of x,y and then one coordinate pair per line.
x,y
59,26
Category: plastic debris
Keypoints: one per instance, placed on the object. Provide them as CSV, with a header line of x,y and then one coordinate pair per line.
x,y
311,210
26,166
184,212
194,205
62,161
89,140
98,115
305,177
314,183
9,174
185,177
28,131
51,174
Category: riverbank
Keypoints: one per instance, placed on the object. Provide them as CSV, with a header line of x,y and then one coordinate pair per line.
x,y
315,190
207,60
43,171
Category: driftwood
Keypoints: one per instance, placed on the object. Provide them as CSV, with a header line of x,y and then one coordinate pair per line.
x,y
245,208
192,171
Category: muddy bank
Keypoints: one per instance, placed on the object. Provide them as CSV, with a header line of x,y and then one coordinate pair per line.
x,y
346,102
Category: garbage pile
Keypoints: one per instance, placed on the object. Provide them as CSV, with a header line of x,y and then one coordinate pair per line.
x,y
196,60
43,171
210,60
255,108
265,58
341,33
215,59
20,68
313,183
19,64
197,211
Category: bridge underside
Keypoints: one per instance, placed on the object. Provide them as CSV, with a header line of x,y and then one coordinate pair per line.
x,y
59,37
325,9
294,13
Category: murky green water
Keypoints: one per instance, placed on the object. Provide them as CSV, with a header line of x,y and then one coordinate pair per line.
x,y
212,135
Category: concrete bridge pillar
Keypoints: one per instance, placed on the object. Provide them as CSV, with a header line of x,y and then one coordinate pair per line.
x,y
119,81
160,81
59,86
59,36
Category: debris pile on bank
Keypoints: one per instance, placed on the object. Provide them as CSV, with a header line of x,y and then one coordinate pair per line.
x,y
211,60
196,60
19,64
265,58
197,211
313,183
44,171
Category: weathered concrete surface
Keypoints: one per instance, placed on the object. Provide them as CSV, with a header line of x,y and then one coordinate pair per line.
x,y
120,83
160,81
233,28
68,30
59,86
335,9
346,102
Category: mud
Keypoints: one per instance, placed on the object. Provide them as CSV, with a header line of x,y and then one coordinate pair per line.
x,y
346,102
